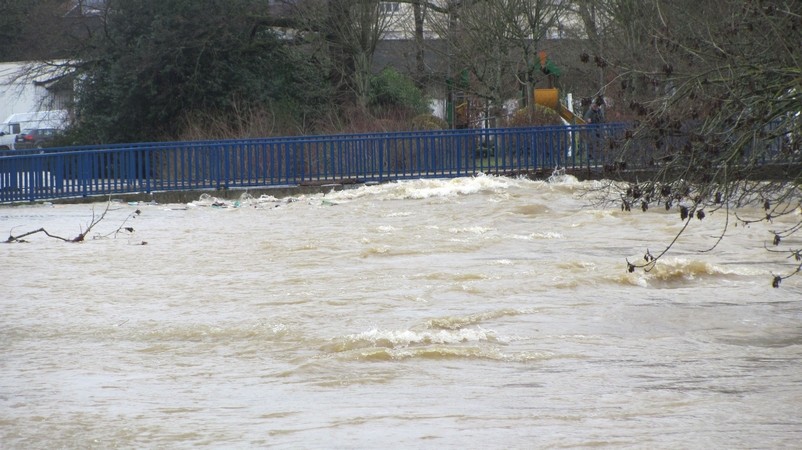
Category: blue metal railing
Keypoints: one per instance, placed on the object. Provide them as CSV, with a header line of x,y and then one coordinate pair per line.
x,y
30,175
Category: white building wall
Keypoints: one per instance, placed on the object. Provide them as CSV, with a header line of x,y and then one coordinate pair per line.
x,y
400,21
22,93
16,96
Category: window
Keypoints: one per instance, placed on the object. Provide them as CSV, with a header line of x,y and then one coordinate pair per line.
x,y
388,7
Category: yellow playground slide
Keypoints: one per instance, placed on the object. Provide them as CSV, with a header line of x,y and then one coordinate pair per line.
x,y
550,98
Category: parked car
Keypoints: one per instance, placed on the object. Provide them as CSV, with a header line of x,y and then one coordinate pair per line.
x,y
16,122
34,138
7,141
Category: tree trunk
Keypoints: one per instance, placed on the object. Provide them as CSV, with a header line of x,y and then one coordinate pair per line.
x,y
420,66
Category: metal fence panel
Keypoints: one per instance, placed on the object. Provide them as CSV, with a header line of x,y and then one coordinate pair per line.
x,y
366,157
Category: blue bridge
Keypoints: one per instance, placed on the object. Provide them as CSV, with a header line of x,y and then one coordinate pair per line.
x,y
95,171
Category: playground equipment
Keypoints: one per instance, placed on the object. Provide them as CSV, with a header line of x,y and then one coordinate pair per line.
x,y
462,111
550,97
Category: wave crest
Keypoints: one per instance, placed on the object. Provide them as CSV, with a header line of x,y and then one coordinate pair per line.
x,y
678,268
392,339
676,272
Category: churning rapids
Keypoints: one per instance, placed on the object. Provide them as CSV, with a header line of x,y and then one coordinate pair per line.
x,y
466,313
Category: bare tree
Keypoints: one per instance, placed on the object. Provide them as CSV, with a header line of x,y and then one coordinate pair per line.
x,y
496,43
347,32
419,17
724,126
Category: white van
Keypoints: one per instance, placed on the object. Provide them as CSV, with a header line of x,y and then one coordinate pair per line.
x,y
15,123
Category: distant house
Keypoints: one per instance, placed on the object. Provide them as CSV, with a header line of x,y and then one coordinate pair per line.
x,y
399,22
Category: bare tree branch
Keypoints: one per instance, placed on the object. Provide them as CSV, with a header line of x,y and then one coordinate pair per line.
x,y
95,220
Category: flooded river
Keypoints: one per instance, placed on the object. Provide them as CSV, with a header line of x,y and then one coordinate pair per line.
x,y
467,313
